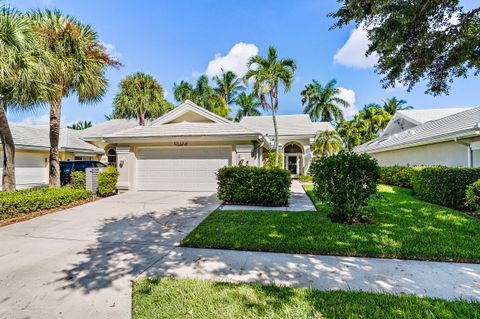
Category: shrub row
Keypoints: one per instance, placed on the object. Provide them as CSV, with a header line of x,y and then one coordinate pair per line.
x,y
396,176
445,186
27,201
254,185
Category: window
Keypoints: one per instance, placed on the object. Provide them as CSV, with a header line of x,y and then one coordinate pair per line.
x,y
292,149
112,157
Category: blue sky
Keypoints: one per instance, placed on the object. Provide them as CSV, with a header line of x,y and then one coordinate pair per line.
x,y
179,40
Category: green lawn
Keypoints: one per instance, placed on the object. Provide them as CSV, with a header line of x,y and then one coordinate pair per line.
x,y
188,298
403,227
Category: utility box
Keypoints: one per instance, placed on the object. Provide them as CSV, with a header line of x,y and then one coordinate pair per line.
x,y
91,178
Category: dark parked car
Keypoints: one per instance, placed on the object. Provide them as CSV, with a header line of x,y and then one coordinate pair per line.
x,y
67,167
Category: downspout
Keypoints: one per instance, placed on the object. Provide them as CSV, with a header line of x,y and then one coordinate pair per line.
x,y
469,151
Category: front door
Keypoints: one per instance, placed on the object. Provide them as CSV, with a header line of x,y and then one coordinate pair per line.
x,y
293,164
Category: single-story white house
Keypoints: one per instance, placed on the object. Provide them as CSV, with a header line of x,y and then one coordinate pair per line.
x,y
183,149
32,146
448,137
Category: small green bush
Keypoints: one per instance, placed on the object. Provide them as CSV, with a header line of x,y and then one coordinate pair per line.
x,y
444,186
31,200
270,159
107,181
396,176
254,185
78,180
345,182
472,196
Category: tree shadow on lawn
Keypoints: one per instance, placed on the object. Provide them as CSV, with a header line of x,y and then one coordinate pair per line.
x,y
127,246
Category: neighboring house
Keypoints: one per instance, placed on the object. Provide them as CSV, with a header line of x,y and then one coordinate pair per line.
x,y
32,146
184,149
449,137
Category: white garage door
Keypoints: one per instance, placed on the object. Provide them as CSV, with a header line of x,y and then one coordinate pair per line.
x,y
30,169
180,169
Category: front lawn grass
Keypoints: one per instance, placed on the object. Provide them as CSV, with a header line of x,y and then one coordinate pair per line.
x,y
403,227
189,298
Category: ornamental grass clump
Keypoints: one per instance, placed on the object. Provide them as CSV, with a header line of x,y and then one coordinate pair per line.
x,y
345,182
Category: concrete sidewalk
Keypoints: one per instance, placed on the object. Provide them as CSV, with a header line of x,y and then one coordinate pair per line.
x,y
299,201
422,278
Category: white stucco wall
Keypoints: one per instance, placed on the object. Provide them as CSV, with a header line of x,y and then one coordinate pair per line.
x,y
31,168
448,154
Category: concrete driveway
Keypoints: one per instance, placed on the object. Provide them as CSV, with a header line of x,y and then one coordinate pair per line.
x,y
78,263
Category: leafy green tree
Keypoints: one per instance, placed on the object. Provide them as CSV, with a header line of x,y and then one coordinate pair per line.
x,y
80,125
140,97
248,104
350,133
77,67
393,105
416,40
267,74
327,143
22,69
375,119
203,95
323,103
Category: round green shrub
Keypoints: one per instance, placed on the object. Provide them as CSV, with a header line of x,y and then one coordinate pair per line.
x,y
472,196
78,180
270,159
107,181
345,182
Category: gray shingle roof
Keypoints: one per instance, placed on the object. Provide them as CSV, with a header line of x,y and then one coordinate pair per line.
x,y
108,128
426,115
460,124
184,129
37,137
288,125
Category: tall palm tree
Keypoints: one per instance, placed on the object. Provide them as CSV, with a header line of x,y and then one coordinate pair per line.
x,y
80,125
267,74
323,103
248,104
375,119
327,143
21,80
350,132
393,105
183,91
78,66
140,97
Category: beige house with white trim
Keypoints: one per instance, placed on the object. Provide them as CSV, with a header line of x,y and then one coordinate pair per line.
x,y
448,137
183,149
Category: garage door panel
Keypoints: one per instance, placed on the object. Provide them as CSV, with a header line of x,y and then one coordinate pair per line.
x,y
191,169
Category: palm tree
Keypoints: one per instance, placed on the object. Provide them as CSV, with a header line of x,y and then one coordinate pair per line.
x,y
78,66
140,97
183,91
21,73
323,102
267,74
375,119
248,104
80,125
327,143
228,86
350,132
393,105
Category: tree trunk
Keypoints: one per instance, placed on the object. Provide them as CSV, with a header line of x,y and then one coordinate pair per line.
x,y
141,118
54,169
8,176
274,108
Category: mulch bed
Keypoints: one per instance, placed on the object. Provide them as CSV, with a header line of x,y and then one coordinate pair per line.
x,y
24,217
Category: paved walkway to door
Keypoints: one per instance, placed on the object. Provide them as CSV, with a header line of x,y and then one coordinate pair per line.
x,y
299,201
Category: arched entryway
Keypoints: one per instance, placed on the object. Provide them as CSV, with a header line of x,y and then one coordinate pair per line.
x,y
112,157
293,158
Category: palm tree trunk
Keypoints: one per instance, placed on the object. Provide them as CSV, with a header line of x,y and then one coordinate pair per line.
x,y
54,169
274,108
8,175
141,119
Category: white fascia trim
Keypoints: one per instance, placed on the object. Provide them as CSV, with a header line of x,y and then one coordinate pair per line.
x,y
136,140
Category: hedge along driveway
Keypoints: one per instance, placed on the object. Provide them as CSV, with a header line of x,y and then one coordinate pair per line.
x,y
404,227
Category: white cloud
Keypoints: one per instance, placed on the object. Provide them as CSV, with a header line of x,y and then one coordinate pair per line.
x,y
196,74
111,50
352,54
349,96
235,60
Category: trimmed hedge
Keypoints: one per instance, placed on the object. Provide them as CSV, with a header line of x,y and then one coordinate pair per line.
x,y
254,185
78,180
396,176
31,200
107,181
443,185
